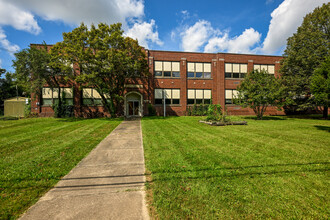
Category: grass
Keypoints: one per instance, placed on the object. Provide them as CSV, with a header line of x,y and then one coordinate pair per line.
x,y
275,168
35,153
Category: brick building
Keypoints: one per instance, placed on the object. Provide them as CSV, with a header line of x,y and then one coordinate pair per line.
x,y
186,78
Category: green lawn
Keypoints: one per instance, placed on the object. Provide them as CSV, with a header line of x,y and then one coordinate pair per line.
x,y
275,168
36,153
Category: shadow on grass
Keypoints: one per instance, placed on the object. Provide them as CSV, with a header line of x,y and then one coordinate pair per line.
x,y
314,117
323,128
83,119
265,118
245,167
148,118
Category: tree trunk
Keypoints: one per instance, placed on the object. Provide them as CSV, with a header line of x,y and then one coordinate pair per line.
x,y
325,112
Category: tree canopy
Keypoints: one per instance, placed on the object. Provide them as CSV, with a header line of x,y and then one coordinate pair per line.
x,y
7,88
33,69
320,86
258,90
305,51
103,59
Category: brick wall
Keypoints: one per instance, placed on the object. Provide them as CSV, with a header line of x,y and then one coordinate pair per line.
x,y
217,84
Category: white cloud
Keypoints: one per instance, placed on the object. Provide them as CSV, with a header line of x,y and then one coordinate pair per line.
x,y
194,37
0,63
239,44
19,19
144,33
6,45
129,12
87,11
202,34
286,18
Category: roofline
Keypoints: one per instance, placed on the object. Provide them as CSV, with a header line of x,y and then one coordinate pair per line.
x,y
169,51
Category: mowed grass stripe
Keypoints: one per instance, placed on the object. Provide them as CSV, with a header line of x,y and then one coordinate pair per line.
x,y
30,165
263,170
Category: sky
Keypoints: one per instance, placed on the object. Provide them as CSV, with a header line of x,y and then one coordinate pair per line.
x,y
233,26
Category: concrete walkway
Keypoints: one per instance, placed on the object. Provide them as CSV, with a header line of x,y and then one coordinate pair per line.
x,y
107,184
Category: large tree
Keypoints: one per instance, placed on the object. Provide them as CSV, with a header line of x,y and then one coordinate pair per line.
x,y
35,67
320,86
104,59
305,51
258,90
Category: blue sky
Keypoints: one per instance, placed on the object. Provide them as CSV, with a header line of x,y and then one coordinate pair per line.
x,y
237,26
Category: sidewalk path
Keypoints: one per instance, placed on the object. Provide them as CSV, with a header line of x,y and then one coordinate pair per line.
x,y
107,184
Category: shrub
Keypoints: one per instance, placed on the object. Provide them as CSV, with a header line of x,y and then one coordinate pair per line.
x,y
151,110
215,113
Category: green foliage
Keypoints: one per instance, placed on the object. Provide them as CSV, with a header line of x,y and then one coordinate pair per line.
x,y
151,110
7,88
305,51
197,110
104,58
258,90
27,110
215,113
320,86
61,109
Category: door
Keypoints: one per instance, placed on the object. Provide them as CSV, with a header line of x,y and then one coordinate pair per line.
x,y
133,108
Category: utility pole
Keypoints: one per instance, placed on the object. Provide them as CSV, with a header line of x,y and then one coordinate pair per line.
x,y
164,99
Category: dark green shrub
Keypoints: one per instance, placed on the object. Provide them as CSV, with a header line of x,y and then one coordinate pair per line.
x,y
151,110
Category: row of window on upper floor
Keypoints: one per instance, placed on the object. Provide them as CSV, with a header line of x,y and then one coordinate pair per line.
x,y
168,69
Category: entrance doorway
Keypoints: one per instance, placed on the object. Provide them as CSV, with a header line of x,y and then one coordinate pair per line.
x,y
133,108
133,104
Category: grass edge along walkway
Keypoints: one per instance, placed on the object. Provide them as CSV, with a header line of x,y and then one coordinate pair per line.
x,y
36,153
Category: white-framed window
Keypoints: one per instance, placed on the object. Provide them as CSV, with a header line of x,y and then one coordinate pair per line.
x,y
167,69
230,94
50,96
172,96
270,68
91,97
199,70
199,96
235,70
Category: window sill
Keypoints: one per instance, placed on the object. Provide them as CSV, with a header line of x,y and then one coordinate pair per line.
x,y
199,78
92,105
170,105
235,78
166,77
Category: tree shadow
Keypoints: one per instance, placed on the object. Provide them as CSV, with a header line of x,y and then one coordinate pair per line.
x,y
148,118
314,117
266,118
73,119
323,128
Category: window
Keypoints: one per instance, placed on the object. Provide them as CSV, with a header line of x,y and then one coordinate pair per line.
x,y
267,67
235,70
50,96
167,69
199,70
230,95
199,96
91,97
172,96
